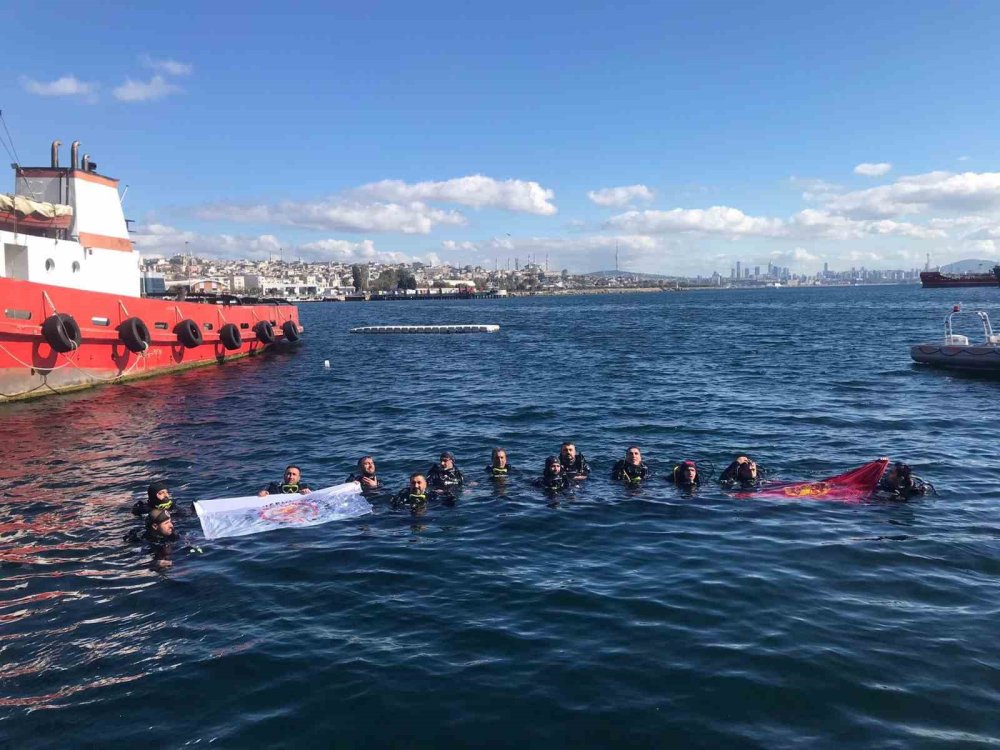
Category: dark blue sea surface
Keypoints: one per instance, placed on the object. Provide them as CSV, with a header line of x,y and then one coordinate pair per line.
x,y
608,618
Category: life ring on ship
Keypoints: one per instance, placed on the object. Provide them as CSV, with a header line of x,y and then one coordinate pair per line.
x,y
188,333
265,332
61,332
290,330
134,334
230,336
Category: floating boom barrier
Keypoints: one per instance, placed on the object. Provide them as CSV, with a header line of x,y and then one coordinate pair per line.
x,y
428,329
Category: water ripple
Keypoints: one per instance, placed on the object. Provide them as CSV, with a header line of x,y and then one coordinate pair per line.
x,y
606,618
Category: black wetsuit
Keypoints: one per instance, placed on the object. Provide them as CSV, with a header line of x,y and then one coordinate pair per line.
x,y
444,479
495,472
551,482
679,477
731,479
365,490
633,475
899,488
578,468
145,507
151,537
279,488
160,545
409,498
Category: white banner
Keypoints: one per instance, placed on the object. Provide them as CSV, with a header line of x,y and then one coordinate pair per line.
x,y
239,516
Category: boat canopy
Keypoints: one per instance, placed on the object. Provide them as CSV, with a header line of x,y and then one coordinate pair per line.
x,y
36,209
17,209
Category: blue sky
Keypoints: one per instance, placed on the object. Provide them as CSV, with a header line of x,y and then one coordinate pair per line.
x,y
690,135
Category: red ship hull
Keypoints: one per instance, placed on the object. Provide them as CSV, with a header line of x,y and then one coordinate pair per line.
x,y
936,279
30,367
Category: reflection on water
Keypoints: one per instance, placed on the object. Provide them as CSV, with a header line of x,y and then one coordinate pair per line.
x,y
608,616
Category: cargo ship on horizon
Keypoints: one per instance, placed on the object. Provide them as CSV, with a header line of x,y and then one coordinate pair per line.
x,y
71,310
936,279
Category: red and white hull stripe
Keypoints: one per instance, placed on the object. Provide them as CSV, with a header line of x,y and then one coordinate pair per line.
x,y
30,366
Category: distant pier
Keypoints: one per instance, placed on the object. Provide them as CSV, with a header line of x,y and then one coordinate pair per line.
x,y
463,328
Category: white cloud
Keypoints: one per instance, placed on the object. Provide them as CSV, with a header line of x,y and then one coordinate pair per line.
x,y
168,67
578,253
342,250
476,191
963,158
65,86
336,215
161,239
869,169
733,224
816,190
813,223
985,246
345,251
620,196
796,257
721,220
454,245
144,91
955,222
984,233
934,191
167,240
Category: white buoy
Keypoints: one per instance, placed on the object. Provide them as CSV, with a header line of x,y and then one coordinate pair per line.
x,y
326,363
490,328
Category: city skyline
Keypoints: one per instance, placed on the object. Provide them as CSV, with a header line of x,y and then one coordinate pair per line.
x,y
180,264
678,137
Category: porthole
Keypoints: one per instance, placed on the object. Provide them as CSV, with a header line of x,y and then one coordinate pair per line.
x,y
50,264
76,266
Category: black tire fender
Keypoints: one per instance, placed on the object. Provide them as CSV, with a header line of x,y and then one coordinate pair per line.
x,y
188,333
264,331
291,330
62,332
230,336
134,334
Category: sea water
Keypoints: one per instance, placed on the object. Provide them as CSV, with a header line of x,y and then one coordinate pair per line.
x,y
608,618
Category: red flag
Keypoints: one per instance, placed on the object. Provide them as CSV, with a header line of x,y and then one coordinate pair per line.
x,y
852,486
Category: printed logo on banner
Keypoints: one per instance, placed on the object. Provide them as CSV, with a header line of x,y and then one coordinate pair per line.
x,y
295,511
819,489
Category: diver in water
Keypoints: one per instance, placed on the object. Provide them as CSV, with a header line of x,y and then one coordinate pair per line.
x,y
899,483
685,474
553,479
291,485
743,473
157,497
631,469
159,537
415,494
444,475
366,476
574,465
499,469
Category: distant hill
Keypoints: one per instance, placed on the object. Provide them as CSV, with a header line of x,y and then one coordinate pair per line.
x,y
626,274
969,266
